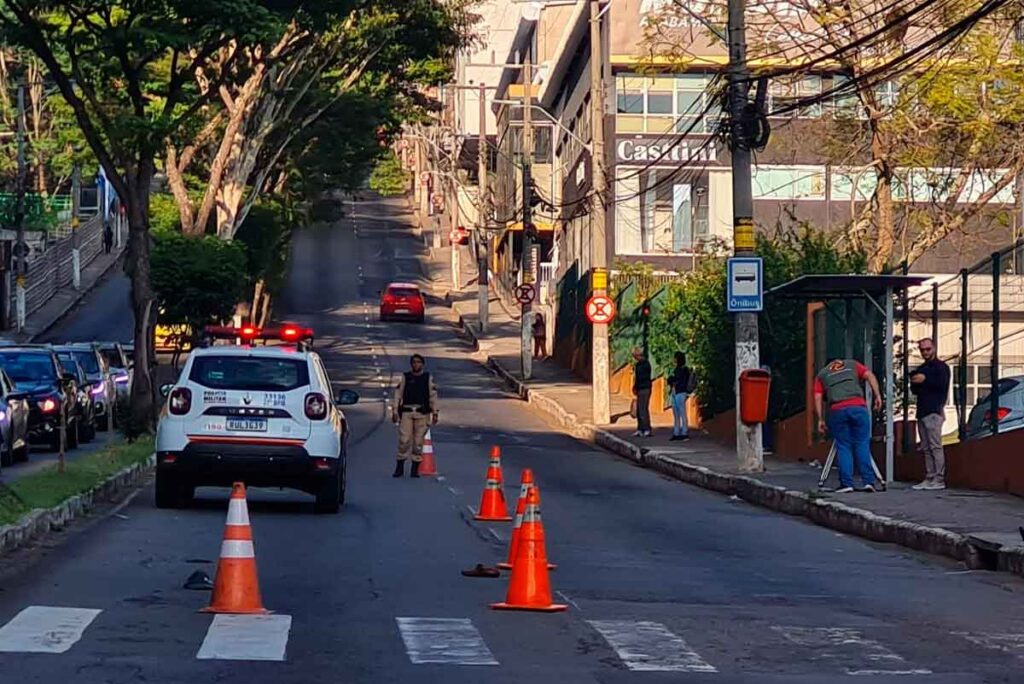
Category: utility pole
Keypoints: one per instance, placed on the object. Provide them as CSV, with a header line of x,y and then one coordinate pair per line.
x,y
483,241
749,454
76,209
598,232
448,113
526,268
21,249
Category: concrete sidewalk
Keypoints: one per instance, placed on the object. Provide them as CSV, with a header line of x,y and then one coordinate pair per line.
x,y
64,300
975,527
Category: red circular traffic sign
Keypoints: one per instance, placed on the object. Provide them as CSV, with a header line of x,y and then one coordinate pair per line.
x,y
525,293
600,309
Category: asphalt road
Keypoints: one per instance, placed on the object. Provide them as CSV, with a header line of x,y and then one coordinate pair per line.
x,y
665,583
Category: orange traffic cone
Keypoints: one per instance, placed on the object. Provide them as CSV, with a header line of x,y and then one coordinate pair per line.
x,y
529,588
428,466
496,463
492,504
524,490
236,588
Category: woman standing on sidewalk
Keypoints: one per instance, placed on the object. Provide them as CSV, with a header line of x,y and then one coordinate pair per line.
x,y
540,335
680,382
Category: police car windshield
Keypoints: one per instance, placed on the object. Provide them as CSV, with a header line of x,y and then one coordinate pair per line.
x,y
249,373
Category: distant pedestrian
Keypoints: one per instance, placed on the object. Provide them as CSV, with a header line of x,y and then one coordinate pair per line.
x,y
848,418
642,383
415,405
681,382
540,335
108,237
930,383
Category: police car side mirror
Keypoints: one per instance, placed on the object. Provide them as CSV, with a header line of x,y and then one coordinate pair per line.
x,y
346,398
165,390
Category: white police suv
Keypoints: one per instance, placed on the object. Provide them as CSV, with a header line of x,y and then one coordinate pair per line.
x,y
264,415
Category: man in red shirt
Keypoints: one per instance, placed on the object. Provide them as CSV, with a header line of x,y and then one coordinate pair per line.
x,y
841,384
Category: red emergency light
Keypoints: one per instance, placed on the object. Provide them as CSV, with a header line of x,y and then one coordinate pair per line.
x,y
289,332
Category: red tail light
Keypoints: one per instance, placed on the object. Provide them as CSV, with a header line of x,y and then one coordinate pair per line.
x,y
180,401
316,406
1001,413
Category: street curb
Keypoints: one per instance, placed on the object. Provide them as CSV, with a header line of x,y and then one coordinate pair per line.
x,y
44,520
82,294
831,514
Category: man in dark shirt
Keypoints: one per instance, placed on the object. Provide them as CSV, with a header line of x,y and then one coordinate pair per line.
x,y
930,383
642,383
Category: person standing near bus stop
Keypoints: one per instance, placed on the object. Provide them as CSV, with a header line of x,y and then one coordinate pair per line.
x,y
848,418
930,384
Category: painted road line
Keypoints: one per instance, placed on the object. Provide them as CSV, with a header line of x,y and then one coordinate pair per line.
x,y
246,637
846,644
1007,643
446,641
650,647
45,629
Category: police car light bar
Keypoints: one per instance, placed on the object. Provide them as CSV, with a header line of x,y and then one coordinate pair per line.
x,y
286,333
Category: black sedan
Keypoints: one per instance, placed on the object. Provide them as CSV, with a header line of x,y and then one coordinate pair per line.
x,y
52,394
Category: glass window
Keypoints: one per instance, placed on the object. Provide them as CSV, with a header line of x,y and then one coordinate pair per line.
x,y
250,373
28,368
787,93
788,183
631,95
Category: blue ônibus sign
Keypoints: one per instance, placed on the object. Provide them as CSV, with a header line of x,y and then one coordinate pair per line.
x,y
745,284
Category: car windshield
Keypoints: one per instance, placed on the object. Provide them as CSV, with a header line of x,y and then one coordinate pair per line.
x,y
27,367
113,357
67,360
404,292
249,373
88,361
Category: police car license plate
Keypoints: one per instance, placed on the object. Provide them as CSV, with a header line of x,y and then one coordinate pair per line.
x,y
247,424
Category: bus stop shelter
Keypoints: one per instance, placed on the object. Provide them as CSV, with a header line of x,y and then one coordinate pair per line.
x,y
878,292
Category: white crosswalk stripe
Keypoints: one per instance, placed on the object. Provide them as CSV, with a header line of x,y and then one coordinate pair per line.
x,y
446,641
650,647
45,629
1007,643
246,637
845,644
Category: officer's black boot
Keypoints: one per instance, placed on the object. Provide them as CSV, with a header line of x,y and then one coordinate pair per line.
x,y
399,469
415,472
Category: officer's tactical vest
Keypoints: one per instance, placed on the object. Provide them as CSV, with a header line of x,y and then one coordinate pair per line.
x,y
417,391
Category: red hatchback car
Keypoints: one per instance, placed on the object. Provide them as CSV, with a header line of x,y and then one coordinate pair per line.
x,y
402,301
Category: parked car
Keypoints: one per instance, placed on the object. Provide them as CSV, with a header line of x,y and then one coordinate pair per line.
x,y
1010,412
98,380
119,361
14,412
402,300
85,406
52,394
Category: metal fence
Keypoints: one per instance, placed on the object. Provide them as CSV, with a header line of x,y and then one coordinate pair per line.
x,y
53,270
976,318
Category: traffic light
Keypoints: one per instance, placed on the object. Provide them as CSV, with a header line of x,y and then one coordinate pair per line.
x,y
645,310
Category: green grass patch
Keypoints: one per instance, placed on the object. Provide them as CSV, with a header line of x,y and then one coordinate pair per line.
x,y
49,488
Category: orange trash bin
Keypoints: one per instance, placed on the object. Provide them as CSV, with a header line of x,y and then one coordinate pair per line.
x,y
755,385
